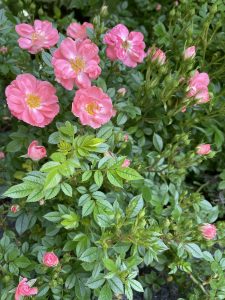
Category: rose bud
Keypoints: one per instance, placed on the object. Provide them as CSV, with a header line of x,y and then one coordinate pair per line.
x,y
50,259
203,149
122,91
126,163
36,152
208,231
189,52
15,208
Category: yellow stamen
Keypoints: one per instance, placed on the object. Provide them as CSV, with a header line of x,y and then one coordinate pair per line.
x,y
33,101
34,36
77,64
91,108
126,45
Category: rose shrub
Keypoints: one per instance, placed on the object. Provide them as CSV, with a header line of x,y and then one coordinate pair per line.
x,y
112,149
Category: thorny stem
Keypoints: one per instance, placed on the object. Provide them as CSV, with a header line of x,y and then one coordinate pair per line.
x,y
198,283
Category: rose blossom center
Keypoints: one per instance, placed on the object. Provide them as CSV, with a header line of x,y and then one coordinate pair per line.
x,y
125,45
33,101
91,108
77,64
39,35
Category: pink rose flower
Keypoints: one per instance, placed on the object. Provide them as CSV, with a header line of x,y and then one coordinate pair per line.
x,y
76,63
78,31
36,152
126,163
50,259
198,87
93,107
203,149
15,208
38,37
2,155
3,49
122,91
208,231
190,52
32,100
157,55
24,289
125,46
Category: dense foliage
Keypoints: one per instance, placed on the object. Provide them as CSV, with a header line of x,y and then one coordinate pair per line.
x,y
130,201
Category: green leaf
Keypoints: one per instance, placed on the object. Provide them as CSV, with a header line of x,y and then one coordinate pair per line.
x,y
36,195
194,250
19,191
121,119
22,262
53,216
70,221
128,174
94,283
53,179
135,206
47,58
114,179
88,208
49,166
157,142
105,293
136,285
54,138
98,177
86,175
67,189
116,285
110,264
104,220
51,193
58,157
102,84
89,255
70,281
22,223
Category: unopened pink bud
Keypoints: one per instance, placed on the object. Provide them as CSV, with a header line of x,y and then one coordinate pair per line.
x,y
203,149
190,52
208,231
126,163
15,208
50,259
122,91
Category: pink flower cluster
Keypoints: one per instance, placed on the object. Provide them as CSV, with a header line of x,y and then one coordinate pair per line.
x,y
198,87
76,63
125,46
24,288
38,37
